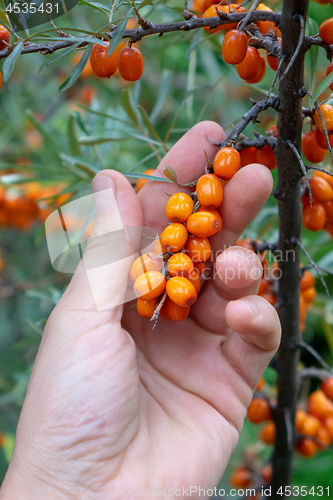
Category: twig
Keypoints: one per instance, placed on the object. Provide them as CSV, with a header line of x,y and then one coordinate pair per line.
x,y
257,142
315,354
303,167
311,40
298,48
310,167
158,309
249,14
262,247
318,373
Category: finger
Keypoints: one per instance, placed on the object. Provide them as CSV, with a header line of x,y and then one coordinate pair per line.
x,y
187,158
237,273
255,338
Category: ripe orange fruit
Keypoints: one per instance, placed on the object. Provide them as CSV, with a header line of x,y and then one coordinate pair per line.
x,y
173,312
327,113
158,248
328,178
302,310
321,139
326,31
87,71
309,295
307,280
226,163
258,411
310,425
130,64
251,65
261,384
328,210
248,156
267,433
180,264
273,130
179,207
194,279
264,26
266,474
328,423
321,190
299,420
319,405
146,308
314,217
264,286
144,263
273,61
4,37
211,12
199,6
198,249
327,387
200,268
324,437
241,477
234,47
181,291
266,157
261,72
311,150
306,447
174,237
214,212
209,191
231,8
202,224
102,65
150,285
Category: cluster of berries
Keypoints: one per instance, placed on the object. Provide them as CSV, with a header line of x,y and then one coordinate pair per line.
x,y
320,214
264,155
184,245
243,477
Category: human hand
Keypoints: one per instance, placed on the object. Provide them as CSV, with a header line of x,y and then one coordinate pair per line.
x,y
113,406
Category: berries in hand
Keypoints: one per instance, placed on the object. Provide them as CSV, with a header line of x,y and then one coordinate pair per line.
x,y
202,224
174,237
209,191
226,163
146,308
150,285
179,207
198,249
181,291
180,264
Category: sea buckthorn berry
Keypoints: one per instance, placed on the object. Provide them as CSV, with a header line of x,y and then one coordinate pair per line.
x,y
328,178
174,237
195,280
327,113
214,212
328,423
202,224
181,291
248,156
321,189
306,447
231,8
198,249
259,411
234,47
200,268
211,12
250,67
328,71
324,437
264,26
180,264
328,210
158,248
179,207
305,200
261,384
150,285
267,433
273,130
266,157
302,309
327,387
264,286
307,281
4,37
226,163
146,308
144,263
314,217
309,295
209,191
319,405
261,73
241,478
310,426
311,150
130,64
266,474
199,6
141,182
173,312
326,31
321,139
102,65
299,420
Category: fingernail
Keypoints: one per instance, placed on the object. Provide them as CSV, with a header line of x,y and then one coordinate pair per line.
x,y
250,306
104,189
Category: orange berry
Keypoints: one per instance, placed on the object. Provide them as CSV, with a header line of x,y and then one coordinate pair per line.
x,y
248,156
231,8
266,474
181,291
324,437
195,280
309,295
198,249
267,433
102,65
327,113
328,423
311,150
328,210
251,65
130,63
259,411
307,280
158,248
226,163
173,312
310,426
200,268
4,37
272,62
214,212
141,182
323,175
241,478
321,139
211,12
202,224
180,264
319,405
199,6
314,217
144,263
306,447
261,384
321,190
264,286
209,191
299,420
150,285
327,387
273,130
234,47
174,237
302,310
264,26
266,157
179,207
261,73
326,31
146,308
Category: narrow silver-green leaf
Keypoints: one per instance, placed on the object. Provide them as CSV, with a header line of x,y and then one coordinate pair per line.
x,y
59,56
321,88
126,104
72,139
148,124
76,72
137,175
96,5
182,104
9,64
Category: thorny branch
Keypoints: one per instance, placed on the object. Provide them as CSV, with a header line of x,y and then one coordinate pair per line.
x,y
318,373
297,242
258,142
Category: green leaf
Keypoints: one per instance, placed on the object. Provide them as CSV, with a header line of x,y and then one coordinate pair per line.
x,y
170,174
145,159
312,30
148,124
41,129
328,332
76,72
161,94
79,162
59,56
104,115
182,104
138,175
96,6
118,33
91,140
73,143
126,104
145,2
321,88
9,64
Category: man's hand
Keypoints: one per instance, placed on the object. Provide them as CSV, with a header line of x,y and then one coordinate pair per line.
x,y
113,406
